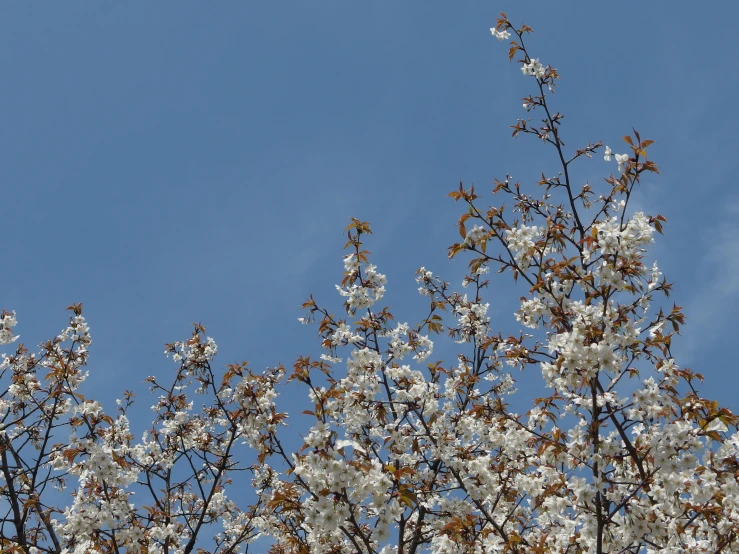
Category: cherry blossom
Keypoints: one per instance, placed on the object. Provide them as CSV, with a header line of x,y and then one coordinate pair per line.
x,y
402,451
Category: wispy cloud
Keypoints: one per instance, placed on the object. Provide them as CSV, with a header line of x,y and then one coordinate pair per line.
x,y
716,297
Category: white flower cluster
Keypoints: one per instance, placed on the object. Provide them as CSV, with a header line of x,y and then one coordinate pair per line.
x,y
98,466
532,312
423,348
25,384
500,35
343,335
360,387
149,454
522,241
363,485
534,68
579,357
371,289
621,159
399,347
628,241
193,352
472,319
256,396
423,277
475,235
411,386
7,322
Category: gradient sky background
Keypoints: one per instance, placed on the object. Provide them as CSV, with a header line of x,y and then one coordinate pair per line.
x,y
165,163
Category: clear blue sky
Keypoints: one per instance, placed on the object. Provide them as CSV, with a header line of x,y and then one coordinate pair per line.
x,y
172,162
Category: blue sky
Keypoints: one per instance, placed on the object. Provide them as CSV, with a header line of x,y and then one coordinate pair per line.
x,y
166,163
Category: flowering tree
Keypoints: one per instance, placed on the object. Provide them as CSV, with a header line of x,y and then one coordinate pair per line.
x,y
405,454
